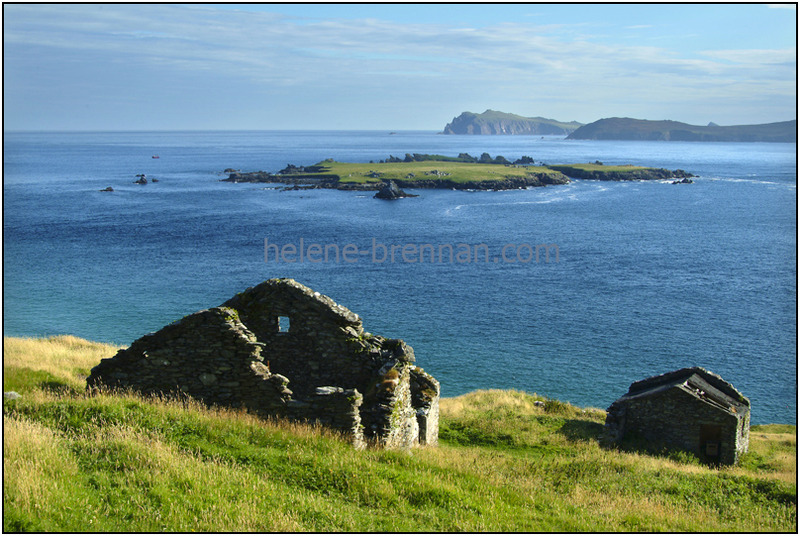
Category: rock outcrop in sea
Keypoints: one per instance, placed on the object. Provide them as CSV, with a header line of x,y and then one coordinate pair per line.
x,y
391,192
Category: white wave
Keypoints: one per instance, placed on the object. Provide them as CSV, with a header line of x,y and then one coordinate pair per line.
x,y
753,181
571,192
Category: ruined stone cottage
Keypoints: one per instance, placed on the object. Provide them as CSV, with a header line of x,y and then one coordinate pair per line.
x,y
281,349
691,409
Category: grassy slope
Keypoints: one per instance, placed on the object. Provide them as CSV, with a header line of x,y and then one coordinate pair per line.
x,y
459,171
122,463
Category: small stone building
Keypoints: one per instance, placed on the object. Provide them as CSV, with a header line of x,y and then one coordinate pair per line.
x,y
281,349
691,409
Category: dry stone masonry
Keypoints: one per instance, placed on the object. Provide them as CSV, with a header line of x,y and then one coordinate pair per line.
x,y
691,409
281,349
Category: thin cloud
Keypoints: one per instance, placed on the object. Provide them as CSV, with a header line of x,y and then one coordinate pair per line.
x,y
259,52
753,56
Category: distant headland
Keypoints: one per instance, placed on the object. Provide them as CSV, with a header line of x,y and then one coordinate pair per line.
x,y
492,122
464,172
623,128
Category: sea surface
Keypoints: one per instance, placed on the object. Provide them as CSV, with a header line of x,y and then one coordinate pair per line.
x,y
650,276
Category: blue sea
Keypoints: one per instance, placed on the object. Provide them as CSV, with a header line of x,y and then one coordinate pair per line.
x,y
650,276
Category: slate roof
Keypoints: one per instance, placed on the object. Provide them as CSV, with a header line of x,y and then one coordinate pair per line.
x,y
695,381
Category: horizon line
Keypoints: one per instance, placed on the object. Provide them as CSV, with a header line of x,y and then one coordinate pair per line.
x,y
67,131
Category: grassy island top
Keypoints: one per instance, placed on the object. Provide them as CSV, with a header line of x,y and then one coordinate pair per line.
x,y
507,461
433,170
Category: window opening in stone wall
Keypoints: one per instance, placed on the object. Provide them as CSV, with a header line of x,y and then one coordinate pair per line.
x,y
283,324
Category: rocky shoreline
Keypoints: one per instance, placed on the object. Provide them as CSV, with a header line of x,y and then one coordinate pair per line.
x,y
618,174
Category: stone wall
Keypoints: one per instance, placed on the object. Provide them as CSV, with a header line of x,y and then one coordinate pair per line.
x,y
425,399
333,407
282,349
209,354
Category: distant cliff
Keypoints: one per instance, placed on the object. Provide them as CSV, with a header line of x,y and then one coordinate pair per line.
x,y
623,128
493,122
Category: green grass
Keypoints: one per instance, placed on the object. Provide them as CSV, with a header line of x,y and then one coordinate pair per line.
x,y
459,172
508,461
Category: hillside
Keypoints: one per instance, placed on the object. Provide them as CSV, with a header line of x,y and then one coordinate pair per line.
x,y
493,122
623,128
507,462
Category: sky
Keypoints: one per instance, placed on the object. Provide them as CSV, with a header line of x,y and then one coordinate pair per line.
x,y
392,66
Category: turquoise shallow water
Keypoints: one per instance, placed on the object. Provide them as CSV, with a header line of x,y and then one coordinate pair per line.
x,y
650,276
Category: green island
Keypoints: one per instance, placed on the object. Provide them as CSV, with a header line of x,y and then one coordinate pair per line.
x,y
464,172
492,122
507,461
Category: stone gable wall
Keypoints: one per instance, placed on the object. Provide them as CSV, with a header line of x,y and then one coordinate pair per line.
x,y
325,368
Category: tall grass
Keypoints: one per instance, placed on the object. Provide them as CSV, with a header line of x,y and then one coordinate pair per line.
x,y
509,461
61,361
